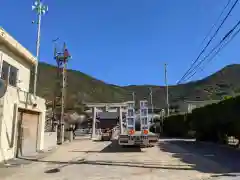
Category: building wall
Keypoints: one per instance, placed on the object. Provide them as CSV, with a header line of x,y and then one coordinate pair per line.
x,y
50,140
17,97
24,68
188,106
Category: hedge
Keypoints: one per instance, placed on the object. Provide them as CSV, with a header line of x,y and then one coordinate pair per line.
x,y
213,122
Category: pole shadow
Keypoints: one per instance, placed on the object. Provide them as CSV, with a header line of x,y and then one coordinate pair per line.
x,y
114,147
145,165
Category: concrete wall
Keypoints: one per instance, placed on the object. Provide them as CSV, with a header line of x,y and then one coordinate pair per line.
x,y
50,140
17,97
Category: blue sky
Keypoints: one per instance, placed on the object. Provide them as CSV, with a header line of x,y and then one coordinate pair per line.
x,y
125,42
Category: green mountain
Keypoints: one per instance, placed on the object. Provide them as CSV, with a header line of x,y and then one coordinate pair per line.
x,y
83,88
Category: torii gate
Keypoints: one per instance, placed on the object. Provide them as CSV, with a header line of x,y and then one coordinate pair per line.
x,y
120,108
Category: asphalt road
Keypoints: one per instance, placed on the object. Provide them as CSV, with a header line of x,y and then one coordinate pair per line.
x,y
170,159
226,157
87,160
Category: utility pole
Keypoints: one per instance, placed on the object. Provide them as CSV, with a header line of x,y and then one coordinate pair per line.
x,y
151,99
60,92
40,10
133,96
166,84
162,114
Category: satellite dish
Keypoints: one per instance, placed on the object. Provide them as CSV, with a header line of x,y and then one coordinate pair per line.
x,y
3,87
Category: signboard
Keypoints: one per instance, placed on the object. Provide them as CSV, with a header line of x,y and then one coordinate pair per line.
x,y
144,121
130,116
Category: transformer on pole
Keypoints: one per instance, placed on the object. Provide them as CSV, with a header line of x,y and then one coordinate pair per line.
x,y
62,59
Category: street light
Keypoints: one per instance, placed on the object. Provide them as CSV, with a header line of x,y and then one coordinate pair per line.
x,y
40,9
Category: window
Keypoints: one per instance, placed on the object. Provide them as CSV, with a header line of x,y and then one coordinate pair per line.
x,y
146,104
130,121
143,112
144,121
5,70
13,76
130,112
9,73
143,104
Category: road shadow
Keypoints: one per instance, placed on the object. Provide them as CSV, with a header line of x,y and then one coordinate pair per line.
x,y
114,147
146,165
205,157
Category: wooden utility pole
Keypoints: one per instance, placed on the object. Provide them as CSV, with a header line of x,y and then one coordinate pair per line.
x,y
151,100
166,85
133,96
60,92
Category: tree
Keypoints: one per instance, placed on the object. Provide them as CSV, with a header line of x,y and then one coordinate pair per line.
x,y
227,97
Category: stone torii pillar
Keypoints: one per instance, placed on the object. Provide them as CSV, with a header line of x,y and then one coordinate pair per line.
x,y
94,116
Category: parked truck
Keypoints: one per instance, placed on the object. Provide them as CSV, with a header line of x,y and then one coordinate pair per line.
x,y
107,121
132,136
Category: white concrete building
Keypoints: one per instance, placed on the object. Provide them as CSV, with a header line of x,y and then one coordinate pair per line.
x,y
22,117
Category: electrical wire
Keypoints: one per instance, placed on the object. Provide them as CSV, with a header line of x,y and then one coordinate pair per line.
x,y
217,20
220,26
222,46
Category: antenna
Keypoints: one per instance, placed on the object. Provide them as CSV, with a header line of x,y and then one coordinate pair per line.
x,y
40,9
55,47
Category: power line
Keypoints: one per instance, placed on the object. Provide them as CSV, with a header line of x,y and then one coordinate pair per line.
x,y
220,43
217,20
220,48
220,26
190,69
